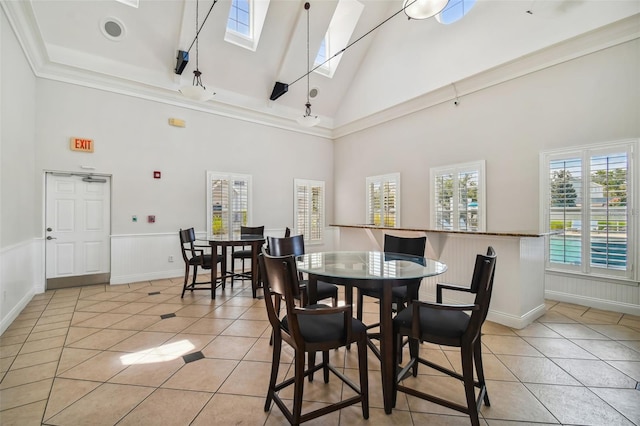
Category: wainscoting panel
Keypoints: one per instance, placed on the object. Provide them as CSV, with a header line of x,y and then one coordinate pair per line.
x,y
518,293
21,276
601,294
143,257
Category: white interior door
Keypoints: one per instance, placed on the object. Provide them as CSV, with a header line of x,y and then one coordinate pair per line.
x,y
78,227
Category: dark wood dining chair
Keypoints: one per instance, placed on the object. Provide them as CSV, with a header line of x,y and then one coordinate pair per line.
x,y
450,325
315,328
245,253
294,245
194,256
404,245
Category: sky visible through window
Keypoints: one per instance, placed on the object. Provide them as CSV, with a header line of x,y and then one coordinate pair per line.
x,y
455,10
322,53
239,17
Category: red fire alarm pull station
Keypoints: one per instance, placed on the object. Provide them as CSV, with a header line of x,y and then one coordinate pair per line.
x,y
156,175
151,219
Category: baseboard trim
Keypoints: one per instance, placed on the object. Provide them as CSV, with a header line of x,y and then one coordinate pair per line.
x,y
8,319
515,321
134,278
605,305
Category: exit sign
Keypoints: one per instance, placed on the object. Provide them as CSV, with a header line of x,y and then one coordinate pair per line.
x,y
79,144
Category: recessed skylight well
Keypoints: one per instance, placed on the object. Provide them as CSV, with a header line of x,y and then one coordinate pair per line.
x,y
341,28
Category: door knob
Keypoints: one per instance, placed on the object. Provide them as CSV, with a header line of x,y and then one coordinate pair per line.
x,y
49,229
51,238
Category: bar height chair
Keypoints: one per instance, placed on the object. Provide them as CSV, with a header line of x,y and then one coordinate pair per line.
x,y
194,256
450,325
315,328
245,253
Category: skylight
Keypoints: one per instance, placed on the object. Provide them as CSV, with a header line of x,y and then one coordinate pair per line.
x,y
321,57
132,3
239,17
245,22
454,11
341,28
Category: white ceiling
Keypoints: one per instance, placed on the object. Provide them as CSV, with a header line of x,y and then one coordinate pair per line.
x,y
400,61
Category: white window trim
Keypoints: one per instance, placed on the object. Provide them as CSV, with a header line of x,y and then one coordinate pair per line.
x,y
630,276
309,184
212,175
455,169
391,177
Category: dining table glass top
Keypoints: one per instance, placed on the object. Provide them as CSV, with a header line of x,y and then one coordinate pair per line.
x,y
369,265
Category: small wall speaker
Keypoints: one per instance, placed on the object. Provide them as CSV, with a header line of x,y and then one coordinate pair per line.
x,y
278,90
182,61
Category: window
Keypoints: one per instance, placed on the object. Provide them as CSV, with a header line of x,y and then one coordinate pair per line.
x,y
228,202
458,197
587,199
454,11
383,200
309,209
245,22
239,17
322,55
341,28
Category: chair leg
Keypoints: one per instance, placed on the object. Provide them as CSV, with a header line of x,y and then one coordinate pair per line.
x,y
312,363
325,365
359,306
186,278
275,363
298,387
276,305
364,377
414,350
469,386
477,358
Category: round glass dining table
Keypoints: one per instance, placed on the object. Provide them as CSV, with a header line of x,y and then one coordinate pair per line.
x,y
371,270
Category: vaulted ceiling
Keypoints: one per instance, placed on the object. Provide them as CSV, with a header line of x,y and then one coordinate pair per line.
x,y
401,60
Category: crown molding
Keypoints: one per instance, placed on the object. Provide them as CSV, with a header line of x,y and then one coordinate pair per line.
x,y
226,104
232,105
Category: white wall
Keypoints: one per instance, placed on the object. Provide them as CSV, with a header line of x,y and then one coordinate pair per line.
x,y
132,138
19,257
594,98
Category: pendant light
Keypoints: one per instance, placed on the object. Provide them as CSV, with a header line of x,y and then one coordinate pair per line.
x,y
196,91
308,120
423,9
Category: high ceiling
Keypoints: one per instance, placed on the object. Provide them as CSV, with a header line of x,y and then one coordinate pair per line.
x,y
401,60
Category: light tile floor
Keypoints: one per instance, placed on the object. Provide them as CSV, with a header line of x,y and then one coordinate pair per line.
x,y
104,355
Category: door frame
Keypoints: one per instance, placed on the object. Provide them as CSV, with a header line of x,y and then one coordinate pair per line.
x,y
77,280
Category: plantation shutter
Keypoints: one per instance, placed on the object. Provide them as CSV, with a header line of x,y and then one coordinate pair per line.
x,y
309,209
383,200
227,203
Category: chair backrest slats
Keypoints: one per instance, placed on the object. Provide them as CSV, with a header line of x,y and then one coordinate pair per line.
x,y
405,245
252,230
482,281
187,236
280,277
285,246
